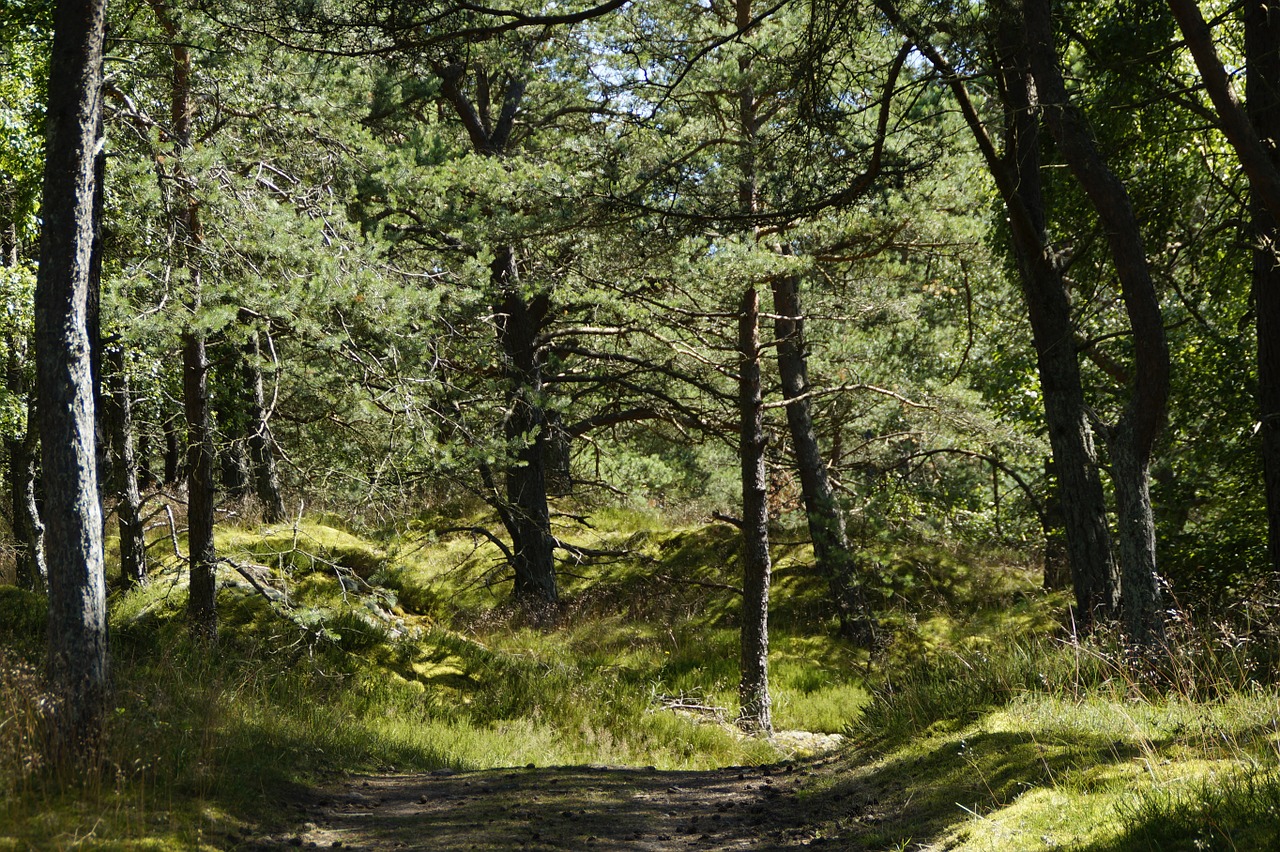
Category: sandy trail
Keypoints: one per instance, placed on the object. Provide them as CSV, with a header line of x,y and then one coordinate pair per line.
x,y
576,807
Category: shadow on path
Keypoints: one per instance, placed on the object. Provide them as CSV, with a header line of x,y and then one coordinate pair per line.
x,y
576,807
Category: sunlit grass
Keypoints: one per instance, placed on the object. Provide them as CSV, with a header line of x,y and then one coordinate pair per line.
x,y
398,651
1042,744
401,655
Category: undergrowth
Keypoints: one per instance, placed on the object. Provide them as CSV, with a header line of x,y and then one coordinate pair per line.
x,y
339,654
1041,742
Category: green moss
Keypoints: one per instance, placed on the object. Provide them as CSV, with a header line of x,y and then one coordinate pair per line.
x,y
308,546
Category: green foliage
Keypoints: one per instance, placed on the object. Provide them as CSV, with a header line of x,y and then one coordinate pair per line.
x,y
349,223
24,60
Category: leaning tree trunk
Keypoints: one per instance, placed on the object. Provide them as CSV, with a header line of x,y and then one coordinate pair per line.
x,y
1262,57
77,590
1093,569
1252,131
831,549
1094,573
1133,438
520,321
133,547
262,453
753,690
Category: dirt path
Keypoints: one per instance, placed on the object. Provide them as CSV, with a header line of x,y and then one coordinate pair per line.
x,y
576,807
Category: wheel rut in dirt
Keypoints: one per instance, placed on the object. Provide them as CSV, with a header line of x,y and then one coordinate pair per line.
x,y
574,807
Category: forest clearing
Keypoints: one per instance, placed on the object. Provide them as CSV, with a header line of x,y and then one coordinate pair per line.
x,y
653,424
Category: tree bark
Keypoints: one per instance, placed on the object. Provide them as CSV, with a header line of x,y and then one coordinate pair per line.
x,y
1262,58
1132,439
77,590
826,522
262,454
133,548
202,613
755,712
520,321
527,514
1017,178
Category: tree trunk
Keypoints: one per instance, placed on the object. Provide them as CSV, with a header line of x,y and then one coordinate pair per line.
x,y
520,321
753,690
826,522
1142,604
1133,438
133,548
1262,57
262,454
1017,177
527,515
202,613
1094,572
1257,157
77,590
28,530
755,707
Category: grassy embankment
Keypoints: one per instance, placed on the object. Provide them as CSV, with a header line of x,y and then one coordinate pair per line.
x,y
394,652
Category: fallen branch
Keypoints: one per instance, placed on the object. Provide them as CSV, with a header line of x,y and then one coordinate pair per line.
x,y
586,552
728,519
725,587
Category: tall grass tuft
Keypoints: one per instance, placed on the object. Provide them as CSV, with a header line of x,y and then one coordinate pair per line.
x,y
22,702
1234,813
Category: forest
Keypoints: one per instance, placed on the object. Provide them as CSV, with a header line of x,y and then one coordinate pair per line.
x,y
640,424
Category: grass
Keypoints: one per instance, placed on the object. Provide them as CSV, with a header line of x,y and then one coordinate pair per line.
x,y
1036,743
395,651
391,654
